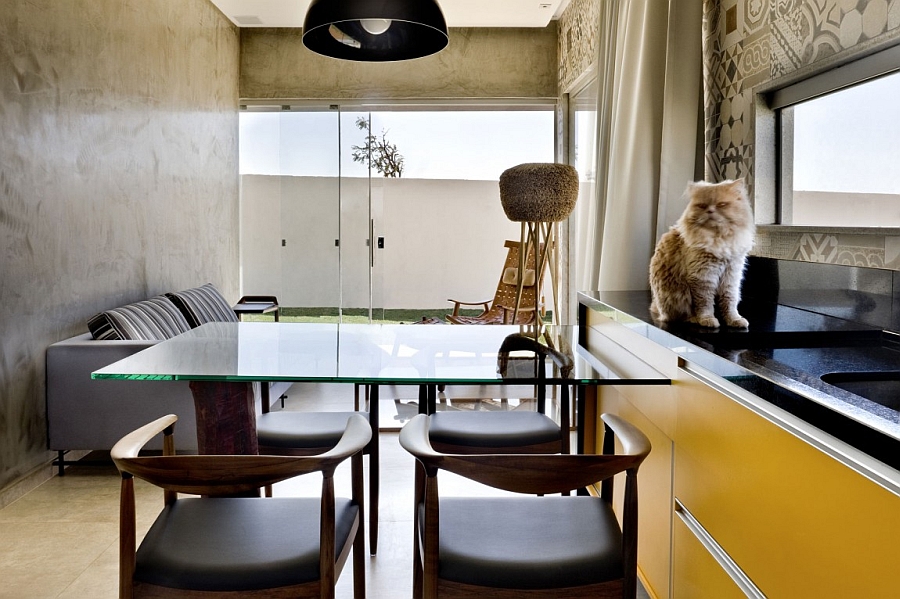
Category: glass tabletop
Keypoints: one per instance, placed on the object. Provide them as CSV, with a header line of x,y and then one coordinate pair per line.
x,y
366,354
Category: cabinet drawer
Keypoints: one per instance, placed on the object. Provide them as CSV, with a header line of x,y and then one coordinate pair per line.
x,y
798,522
697,575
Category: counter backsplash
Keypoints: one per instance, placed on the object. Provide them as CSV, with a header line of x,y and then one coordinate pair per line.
x,y
860,294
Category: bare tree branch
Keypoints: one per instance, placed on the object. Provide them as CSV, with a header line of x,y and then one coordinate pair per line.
x,y
378,152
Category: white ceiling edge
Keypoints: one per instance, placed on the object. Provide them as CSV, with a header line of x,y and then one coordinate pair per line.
x,y
458,13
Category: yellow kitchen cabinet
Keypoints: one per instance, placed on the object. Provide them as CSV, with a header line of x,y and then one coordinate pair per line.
x,y
796,521
652,409
739,498
654,494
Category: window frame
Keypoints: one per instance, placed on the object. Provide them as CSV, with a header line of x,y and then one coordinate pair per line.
x,y
773,112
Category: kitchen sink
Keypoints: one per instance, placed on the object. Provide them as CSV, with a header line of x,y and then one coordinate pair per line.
x,y
882,387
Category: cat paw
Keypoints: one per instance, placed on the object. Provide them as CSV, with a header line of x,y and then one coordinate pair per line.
x,y
737,321
710,322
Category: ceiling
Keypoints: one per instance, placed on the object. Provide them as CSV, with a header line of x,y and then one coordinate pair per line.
x,y
458,13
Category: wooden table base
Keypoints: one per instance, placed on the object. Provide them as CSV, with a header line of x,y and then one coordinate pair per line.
x,y
226,418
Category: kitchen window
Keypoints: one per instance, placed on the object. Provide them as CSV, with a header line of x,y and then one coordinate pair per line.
x,y
838,138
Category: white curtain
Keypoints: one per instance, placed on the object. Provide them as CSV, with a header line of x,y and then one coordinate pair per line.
x,y
642,67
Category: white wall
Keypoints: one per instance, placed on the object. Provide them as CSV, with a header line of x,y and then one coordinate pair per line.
x,y
443,239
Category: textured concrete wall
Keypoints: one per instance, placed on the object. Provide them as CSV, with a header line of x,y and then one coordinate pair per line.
x,y
478,63
118,176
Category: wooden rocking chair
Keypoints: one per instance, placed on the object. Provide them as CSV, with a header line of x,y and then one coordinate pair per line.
x,y
500,310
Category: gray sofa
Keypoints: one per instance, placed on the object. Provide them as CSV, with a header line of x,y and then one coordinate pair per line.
x,y
93,414
86,413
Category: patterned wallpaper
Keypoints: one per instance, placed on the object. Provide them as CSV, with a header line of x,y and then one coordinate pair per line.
x,y
749,42
579,27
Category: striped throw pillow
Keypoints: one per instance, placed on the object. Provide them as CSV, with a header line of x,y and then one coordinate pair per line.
x,y
203,304
153,319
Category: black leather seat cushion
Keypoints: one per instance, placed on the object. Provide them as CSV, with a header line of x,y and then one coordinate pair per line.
x,y
302,429
492,429
528,542
238,543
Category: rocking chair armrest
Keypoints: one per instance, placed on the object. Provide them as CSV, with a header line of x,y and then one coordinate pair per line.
x,y
458,303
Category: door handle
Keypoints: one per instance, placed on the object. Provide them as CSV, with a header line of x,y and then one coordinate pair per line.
x,y
370,244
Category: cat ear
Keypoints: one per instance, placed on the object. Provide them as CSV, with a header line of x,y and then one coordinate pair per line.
x,y
740,186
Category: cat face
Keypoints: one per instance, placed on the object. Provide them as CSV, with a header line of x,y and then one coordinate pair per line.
x,y
717,206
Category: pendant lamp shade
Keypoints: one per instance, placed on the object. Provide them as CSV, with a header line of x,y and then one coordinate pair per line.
x,y
375,30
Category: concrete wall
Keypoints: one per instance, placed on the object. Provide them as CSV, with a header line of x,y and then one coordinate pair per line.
x,y
118,177
478,63
441,240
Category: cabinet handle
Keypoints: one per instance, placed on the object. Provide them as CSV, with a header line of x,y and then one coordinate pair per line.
x,y
718,553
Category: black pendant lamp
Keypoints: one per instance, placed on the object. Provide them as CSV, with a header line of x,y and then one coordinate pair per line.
x,y
375,30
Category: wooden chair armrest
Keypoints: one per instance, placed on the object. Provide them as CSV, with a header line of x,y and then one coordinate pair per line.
x,y
523,342
131,444
457,303
633,441
233,474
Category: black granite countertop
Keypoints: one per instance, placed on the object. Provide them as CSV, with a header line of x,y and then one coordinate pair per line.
x,y
782,358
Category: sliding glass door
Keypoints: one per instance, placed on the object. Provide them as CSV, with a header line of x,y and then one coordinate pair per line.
x,y
290,209
380,213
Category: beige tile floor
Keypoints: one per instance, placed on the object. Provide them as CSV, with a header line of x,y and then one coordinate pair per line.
x,y
61,539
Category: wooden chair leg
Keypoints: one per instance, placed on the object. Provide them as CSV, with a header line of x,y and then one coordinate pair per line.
x,y
359,543
374,469
418,495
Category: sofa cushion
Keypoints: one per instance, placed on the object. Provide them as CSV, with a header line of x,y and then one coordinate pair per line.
x,y
154,319
101,328
203,304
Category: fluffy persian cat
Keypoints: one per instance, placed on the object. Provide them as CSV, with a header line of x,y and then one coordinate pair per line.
x,y
699,262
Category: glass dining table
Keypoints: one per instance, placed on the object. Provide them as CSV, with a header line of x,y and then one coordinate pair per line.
x,y
222,360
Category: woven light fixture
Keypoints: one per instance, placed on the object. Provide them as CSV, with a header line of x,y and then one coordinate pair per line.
x,y
375,30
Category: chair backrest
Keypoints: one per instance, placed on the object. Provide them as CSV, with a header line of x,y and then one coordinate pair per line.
x,y
510,367
505,296
531,473
223,475
541,474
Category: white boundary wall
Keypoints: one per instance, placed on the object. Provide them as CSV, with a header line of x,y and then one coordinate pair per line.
x,y
443,239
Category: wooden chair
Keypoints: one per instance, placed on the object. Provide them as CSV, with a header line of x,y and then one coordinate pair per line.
x,y
514,431
311,433
230,542
537,547
500,309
